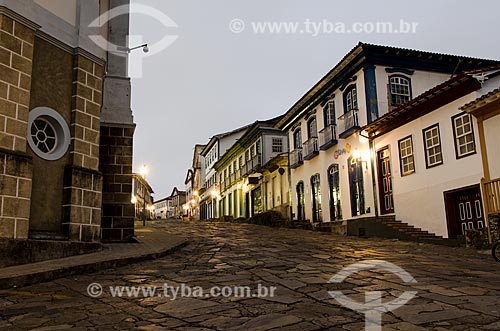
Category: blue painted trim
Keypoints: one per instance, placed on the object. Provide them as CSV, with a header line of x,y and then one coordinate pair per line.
x,y
347,82
371,93
400,70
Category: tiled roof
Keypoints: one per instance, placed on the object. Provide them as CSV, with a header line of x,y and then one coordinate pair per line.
x,y
407,110
464,62
479,102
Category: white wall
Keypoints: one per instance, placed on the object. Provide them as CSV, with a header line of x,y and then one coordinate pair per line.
x,y
321,163
421,81
418,197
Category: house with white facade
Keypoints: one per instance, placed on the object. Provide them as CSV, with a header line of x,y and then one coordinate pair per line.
x,y
210,192
253,173
163,208
427,159
486,109
332,176
142,198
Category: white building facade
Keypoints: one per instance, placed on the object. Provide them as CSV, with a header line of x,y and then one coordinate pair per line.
x,y
253,173
428,160
333,178
210,192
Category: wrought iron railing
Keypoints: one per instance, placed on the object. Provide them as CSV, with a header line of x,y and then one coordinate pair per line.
x,y
328,136
349,120
310,148
296,158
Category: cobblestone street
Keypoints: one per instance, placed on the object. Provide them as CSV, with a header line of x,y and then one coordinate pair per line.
x,y
458,289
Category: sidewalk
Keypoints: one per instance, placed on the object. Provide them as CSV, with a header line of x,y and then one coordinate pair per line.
x,y
152,243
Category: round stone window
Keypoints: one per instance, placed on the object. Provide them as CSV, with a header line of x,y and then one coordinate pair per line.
x,y
48,133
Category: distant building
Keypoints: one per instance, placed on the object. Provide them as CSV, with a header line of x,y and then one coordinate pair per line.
x,y
163,209
142,198
210,193
178,201
195,180
253,173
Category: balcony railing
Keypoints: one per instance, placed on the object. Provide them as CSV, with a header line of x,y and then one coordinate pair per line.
x,y
251,164
349,123
311,148
296,158
491,190
328,137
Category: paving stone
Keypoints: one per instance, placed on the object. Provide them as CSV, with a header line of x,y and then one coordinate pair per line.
x,y
453,294
184,307
268,322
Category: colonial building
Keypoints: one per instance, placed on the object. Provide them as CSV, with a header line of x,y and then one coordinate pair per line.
x,y
178,202
427,158
194,183
163,208
487,111
66,122
253,173
142,198
332,176
210,193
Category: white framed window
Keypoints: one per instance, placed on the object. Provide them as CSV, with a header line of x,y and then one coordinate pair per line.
x,y
277,145
350,99
400,90
432,145
407,161
329,113
464,135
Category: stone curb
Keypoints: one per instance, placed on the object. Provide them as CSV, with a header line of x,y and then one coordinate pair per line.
x,y
60,271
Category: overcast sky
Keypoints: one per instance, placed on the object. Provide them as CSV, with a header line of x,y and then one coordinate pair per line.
x,y
211,79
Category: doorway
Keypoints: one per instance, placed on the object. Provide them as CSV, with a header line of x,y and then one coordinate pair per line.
x,y
464,210
385,181
301,215
316,198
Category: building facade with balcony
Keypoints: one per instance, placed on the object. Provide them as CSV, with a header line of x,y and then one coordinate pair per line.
x,y
142,198
194,182
178,203
211,153
253,175
427,154
332,174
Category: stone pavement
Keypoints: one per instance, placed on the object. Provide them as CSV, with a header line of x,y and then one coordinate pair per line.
x,y
152,243
457,289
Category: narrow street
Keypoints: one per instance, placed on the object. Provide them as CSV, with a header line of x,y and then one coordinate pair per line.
x,y
458,289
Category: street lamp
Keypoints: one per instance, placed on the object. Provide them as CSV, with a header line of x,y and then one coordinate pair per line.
x,y
144,47
144,170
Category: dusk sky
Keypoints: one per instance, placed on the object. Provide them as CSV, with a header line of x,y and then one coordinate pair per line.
x,y
211,80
